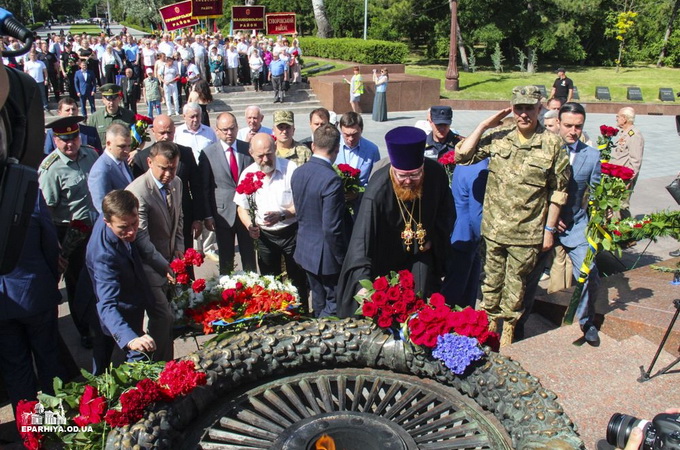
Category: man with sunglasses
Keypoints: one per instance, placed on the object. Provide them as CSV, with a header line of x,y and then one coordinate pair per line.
x,y
112,111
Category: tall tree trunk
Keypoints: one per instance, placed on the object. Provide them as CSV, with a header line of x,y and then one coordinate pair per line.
x,y
461,48
669,30
323,26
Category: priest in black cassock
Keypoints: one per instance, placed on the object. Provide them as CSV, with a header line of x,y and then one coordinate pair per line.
x,y
404,221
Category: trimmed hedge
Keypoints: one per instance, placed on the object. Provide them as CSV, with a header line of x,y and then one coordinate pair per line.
x,y
36,25
355,50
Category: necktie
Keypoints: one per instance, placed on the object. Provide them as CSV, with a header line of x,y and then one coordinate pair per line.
x,y
124,170
168,198
233,166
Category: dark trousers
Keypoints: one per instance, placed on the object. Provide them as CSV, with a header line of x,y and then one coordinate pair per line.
x,y
76,263
277,85
226,236
462,277
54,82
323,288
244,69
84,99
131,104
22,341
274,245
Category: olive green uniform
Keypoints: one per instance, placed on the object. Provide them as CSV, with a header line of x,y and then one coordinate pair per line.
x,y
299,153
523,180
628,153
101,120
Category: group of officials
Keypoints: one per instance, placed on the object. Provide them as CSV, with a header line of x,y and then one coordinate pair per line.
x,y
517,186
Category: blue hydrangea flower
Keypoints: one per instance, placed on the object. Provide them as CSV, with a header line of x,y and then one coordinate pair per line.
x,y
457,352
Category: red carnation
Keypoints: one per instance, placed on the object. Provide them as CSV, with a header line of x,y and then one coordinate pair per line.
x,y
448,158
381,284
193,257
25,409
91,407
178,266
180,378
116,418
183,278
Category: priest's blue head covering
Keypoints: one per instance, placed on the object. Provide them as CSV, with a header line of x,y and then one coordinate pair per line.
x,y
406,147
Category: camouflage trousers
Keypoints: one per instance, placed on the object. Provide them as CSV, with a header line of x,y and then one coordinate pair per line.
x,y
506,269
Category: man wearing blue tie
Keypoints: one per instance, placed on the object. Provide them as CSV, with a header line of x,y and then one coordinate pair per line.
x,y
119,280
111,171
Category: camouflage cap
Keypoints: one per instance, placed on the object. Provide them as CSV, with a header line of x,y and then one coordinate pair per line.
x,y
286,117
526,95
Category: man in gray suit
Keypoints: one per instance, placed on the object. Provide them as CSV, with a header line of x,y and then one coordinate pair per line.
x,y
571,227
220,165
160,238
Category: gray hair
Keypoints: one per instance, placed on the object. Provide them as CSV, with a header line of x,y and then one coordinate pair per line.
x,y
117,129
552,114
254,108
628,113
191,106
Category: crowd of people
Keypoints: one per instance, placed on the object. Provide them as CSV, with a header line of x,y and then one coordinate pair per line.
x,y
81,64
517,188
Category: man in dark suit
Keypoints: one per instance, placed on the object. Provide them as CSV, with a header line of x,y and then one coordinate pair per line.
x,y
163,130
573,221
88,135
319,200
86,85
160,238
29,297
131,91
120,283
111,171
221,165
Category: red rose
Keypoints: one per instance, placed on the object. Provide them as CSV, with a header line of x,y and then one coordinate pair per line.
x,y
178,266
448,158
617,171
239,285
369,309
379,298
183,278
381,284
31,439
385,321
408,295
91,407
400,307
406,279
393,293
146,120
228,294
198,286
193,257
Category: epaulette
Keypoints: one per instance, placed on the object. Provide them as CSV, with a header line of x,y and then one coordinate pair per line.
x,y
631,133
51,158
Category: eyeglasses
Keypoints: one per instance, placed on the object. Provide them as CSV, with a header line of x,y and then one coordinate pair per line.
x,y
413,176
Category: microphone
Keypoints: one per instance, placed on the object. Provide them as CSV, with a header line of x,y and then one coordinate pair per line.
x,y
9,26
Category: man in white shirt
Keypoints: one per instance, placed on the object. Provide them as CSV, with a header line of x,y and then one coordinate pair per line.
x,y
166,46
254,118
38,71
275,225
193,133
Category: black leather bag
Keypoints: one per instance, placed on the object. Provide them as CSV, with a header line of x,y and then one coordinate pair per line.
x,y
674,190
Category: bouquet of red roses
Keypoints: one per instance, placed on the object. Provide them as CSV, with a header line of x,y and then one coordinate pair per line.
x,y
351,183
604,141
78,232
390,300
249,186
138,131
448,161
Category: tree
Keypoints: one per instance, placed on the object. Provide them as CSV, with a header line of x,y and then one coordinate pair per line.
x,y
669,30
323,26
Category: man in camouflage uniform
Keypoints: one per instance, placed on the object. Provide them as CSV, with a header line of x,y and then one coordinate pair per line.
x,y
63,181
528,179
628,151
286,146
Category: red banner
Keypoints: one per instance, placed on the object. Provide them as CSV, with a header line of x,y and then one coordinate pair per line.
x,y
206,9
248,17
281,23
177,15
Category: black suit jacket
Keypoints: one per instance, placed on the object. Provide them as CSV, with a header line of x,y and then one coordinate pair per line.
x,y
131,89
187,171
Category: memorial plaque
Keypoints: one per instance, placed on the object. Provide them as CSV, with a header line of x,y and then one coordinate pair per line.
x,y
574,94
634,93
666,95
541,88
602,93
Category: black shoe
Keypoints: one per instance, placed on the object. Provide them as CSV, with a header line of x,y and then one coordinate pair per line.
x,y
277,101
86,342
675,253
591,334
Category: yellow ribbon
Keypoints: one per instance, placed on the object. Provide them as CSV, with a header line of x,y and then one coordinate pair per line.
x,y
585,268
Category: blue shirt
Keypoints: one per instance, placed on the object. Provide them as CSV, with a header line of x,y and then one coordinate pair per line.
x,y
277,67
131,52
468,187
361,157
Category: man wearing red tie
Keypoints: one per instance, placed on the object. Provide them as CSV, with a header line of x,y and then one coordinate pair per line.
x,y
220,165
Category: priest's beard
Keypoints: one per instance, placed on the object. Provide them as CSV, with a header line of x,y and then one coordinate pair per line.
x,y
407,193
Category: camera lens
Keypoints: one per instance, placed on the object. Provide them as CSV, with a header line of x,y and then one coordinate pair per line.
x,y
619,428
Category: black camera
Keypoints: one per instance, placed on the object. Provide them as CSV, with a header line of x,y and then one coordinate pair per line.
x,y
661,433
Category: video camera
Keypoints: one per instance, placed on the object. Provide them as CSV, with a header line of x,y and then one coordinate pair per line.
x,y
21,144
663,432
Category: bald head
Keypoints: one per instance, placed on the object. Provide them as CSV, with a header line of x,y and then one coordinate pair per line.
x,y
163,128
263,151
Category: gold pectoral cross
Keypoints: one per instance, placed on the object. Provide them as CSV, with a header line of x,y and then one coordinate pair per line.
x,y
421,234
407,235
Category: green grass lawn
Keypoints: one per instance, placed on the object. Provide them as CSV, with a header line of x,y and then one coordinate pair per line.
x,y
89,29
488,85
